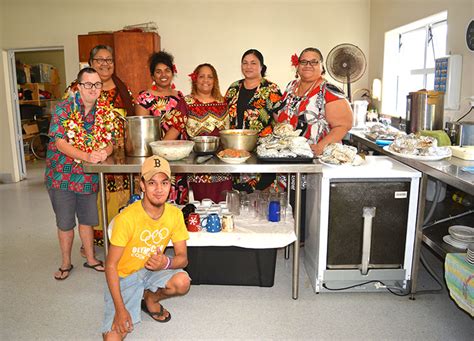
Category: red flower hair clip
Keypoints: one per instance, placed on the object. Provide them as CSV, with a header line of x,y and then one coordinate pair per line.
x,y
193,76
295,60
175,70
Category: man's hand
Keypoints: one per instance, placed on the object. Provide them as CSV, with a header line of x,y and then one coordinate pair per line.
x,y
157,261
122,322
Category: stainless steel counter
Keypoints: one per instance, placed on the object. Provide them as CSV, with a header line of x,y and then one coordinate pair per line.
x,y
446,170
117,163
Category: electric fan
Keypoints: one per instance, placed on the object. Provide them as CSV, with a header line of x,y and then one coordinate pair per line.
x,y
346,63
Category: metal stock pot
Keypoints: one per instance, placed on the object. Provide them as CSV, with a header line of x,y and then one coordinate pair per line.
x,y
139,132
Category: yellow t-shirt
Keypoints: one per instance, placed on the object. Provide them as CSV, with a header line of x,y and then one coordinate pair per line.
x,y
141,235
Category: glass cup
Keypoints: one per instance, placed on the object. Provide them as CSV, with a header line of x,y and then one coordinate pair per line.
x,y
233,202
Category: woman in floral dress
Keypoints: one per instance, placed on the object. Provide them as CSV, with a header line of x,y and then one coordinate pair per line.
x,y
162,100
251,103
206,117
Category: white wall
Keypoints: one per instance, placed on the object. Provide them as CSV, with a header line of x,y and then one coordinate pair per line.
x,y
388,15
194,31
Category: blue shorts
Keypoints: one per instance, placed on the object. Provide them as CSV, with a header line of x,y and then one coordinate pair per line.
x,y
132,288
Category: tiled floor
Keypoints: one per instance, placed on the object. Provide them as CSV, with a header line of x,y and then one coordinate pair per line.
x,y
36,307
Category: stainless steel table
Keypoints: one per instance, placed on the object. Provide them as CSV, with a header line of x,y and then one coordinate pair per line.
x,y
117,163
447,170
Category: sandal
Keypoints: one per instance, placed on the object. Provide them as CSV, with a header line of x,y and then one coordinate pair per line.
x,y
156,315
64,271
95,266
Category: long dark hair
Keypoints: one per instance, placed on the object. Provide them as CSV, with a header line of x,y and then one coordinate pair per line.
x,y
259,56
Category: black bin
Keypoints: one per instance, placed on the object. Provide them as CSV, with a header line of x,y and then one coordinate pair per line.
x,y
231,266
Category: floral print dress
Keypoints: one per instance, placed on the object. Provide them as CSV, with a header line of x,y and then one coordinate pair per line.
x,y
265,101
171,109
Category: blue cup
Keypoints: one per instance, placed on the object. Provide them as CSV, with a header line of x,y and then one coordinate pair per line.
x,y
274,211
212,223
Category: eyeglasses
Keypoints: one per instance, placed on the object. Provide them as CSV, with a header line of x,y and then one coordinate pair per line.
x,y
309,62
103,61
89,85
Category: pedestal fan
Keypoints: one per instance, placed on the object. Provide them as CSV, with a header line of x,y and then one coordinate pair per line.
x,y
346,63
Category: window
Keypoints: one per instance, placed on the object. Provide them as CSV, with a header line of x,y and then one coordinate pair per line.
x,y
409,60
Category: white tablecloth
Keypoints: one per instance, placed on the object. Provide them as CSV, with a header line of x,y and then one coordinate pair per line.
x,y
249,233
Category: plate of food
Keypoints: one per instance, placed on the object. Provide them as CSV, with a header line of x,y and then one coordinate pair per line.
x,y
234,156
436,154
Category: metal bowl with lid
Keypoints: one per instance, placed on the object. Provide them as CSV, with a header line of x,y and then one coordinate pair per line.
x,y
245,139
204,145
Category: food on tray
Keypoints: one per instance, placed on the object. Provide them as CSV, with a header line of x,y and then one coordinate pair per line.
x,y
383,132
233,153
439,135
415,145
339,154
284,142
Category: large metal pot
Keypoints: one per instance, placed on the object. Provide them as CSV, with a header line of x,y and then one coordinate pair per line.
x,y
245,139
425,110
139,132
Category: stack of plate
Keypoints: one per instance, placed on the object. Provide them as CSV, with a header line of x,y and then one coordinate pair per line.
x,y
460,236
470,253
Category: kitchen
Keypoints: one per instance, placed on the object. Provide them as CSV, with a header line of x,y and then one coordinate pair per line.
x,y
352,28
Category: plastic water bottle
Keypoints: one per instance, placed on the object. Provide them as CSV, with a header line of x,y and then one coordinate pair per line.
x,y
462,198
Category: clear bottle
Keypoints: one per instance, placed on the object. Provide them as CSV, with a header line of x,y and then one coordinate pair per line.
x,y
462,198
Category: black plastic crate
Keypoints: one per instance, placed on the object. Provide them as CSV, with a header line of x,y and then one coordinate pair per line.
x,y
231,266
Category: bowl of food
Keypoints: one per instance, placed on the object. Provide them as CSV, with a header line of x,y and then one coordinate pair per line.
x,y
234,156
205,144
241,139
172,149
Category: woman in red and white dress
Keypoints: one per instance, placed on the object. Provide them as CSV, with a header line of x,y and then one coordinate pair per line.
x,y
312,104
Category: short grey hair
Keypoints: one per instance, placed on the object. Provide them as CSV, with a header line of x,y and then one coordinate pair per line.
x,y
96,49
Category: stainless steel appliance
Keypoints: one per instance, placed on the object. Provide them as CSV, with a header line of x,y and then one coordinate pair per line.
x,y
139,132
425,111
360,225
461,133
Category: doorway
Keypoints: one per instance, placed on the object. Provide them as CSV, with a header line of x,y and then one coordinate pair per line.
x,y
38,81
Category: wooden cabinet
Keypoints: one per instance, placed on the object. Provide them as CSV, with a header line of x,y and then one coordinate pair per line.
x,y
36,89
131,53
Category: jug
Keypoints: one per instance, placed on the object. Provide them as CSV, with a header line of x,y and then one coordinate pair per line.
x,y
232,199
360,114
212,223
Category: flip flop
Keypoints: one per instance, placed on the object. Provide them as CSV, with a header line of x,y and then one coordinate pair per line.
x,y
153,315
64,271
94,267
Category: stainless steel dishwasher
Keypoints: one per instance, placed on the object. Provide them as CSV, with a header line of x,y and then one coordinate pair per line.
x,y
360,226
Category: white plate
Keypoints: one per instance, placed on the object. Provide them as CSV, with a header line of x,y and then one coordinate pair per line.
x,y
335,166
462,233
459,245
234,160
443,152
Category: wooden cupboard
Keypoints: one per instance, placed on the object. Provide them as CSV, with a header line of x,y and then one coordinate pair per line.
x,y
131,53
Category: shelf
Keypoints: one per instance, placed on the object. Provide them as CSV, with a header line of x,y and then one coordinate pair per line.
x,y
433,235
38,102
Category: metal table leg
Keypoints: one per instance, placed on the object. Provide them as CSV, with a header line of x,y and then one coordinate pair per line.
x,y
132,184
103,204
296,247
418,235
288,189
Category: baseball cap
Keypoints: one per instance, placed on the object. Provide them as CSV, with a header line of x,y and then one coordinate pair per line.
x,y
154,165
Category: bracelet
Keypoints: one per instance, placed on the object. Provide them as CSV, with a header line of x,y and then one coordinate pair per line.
x,y
168,263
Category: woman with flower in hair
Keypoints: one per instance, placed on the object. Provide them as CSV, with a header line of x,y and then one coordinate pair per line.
x,y
162,99
206,117
313,105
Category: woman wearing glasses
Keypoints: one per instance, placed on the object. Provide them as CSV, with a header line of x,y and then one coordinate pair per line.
x,y
114,95
312,104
